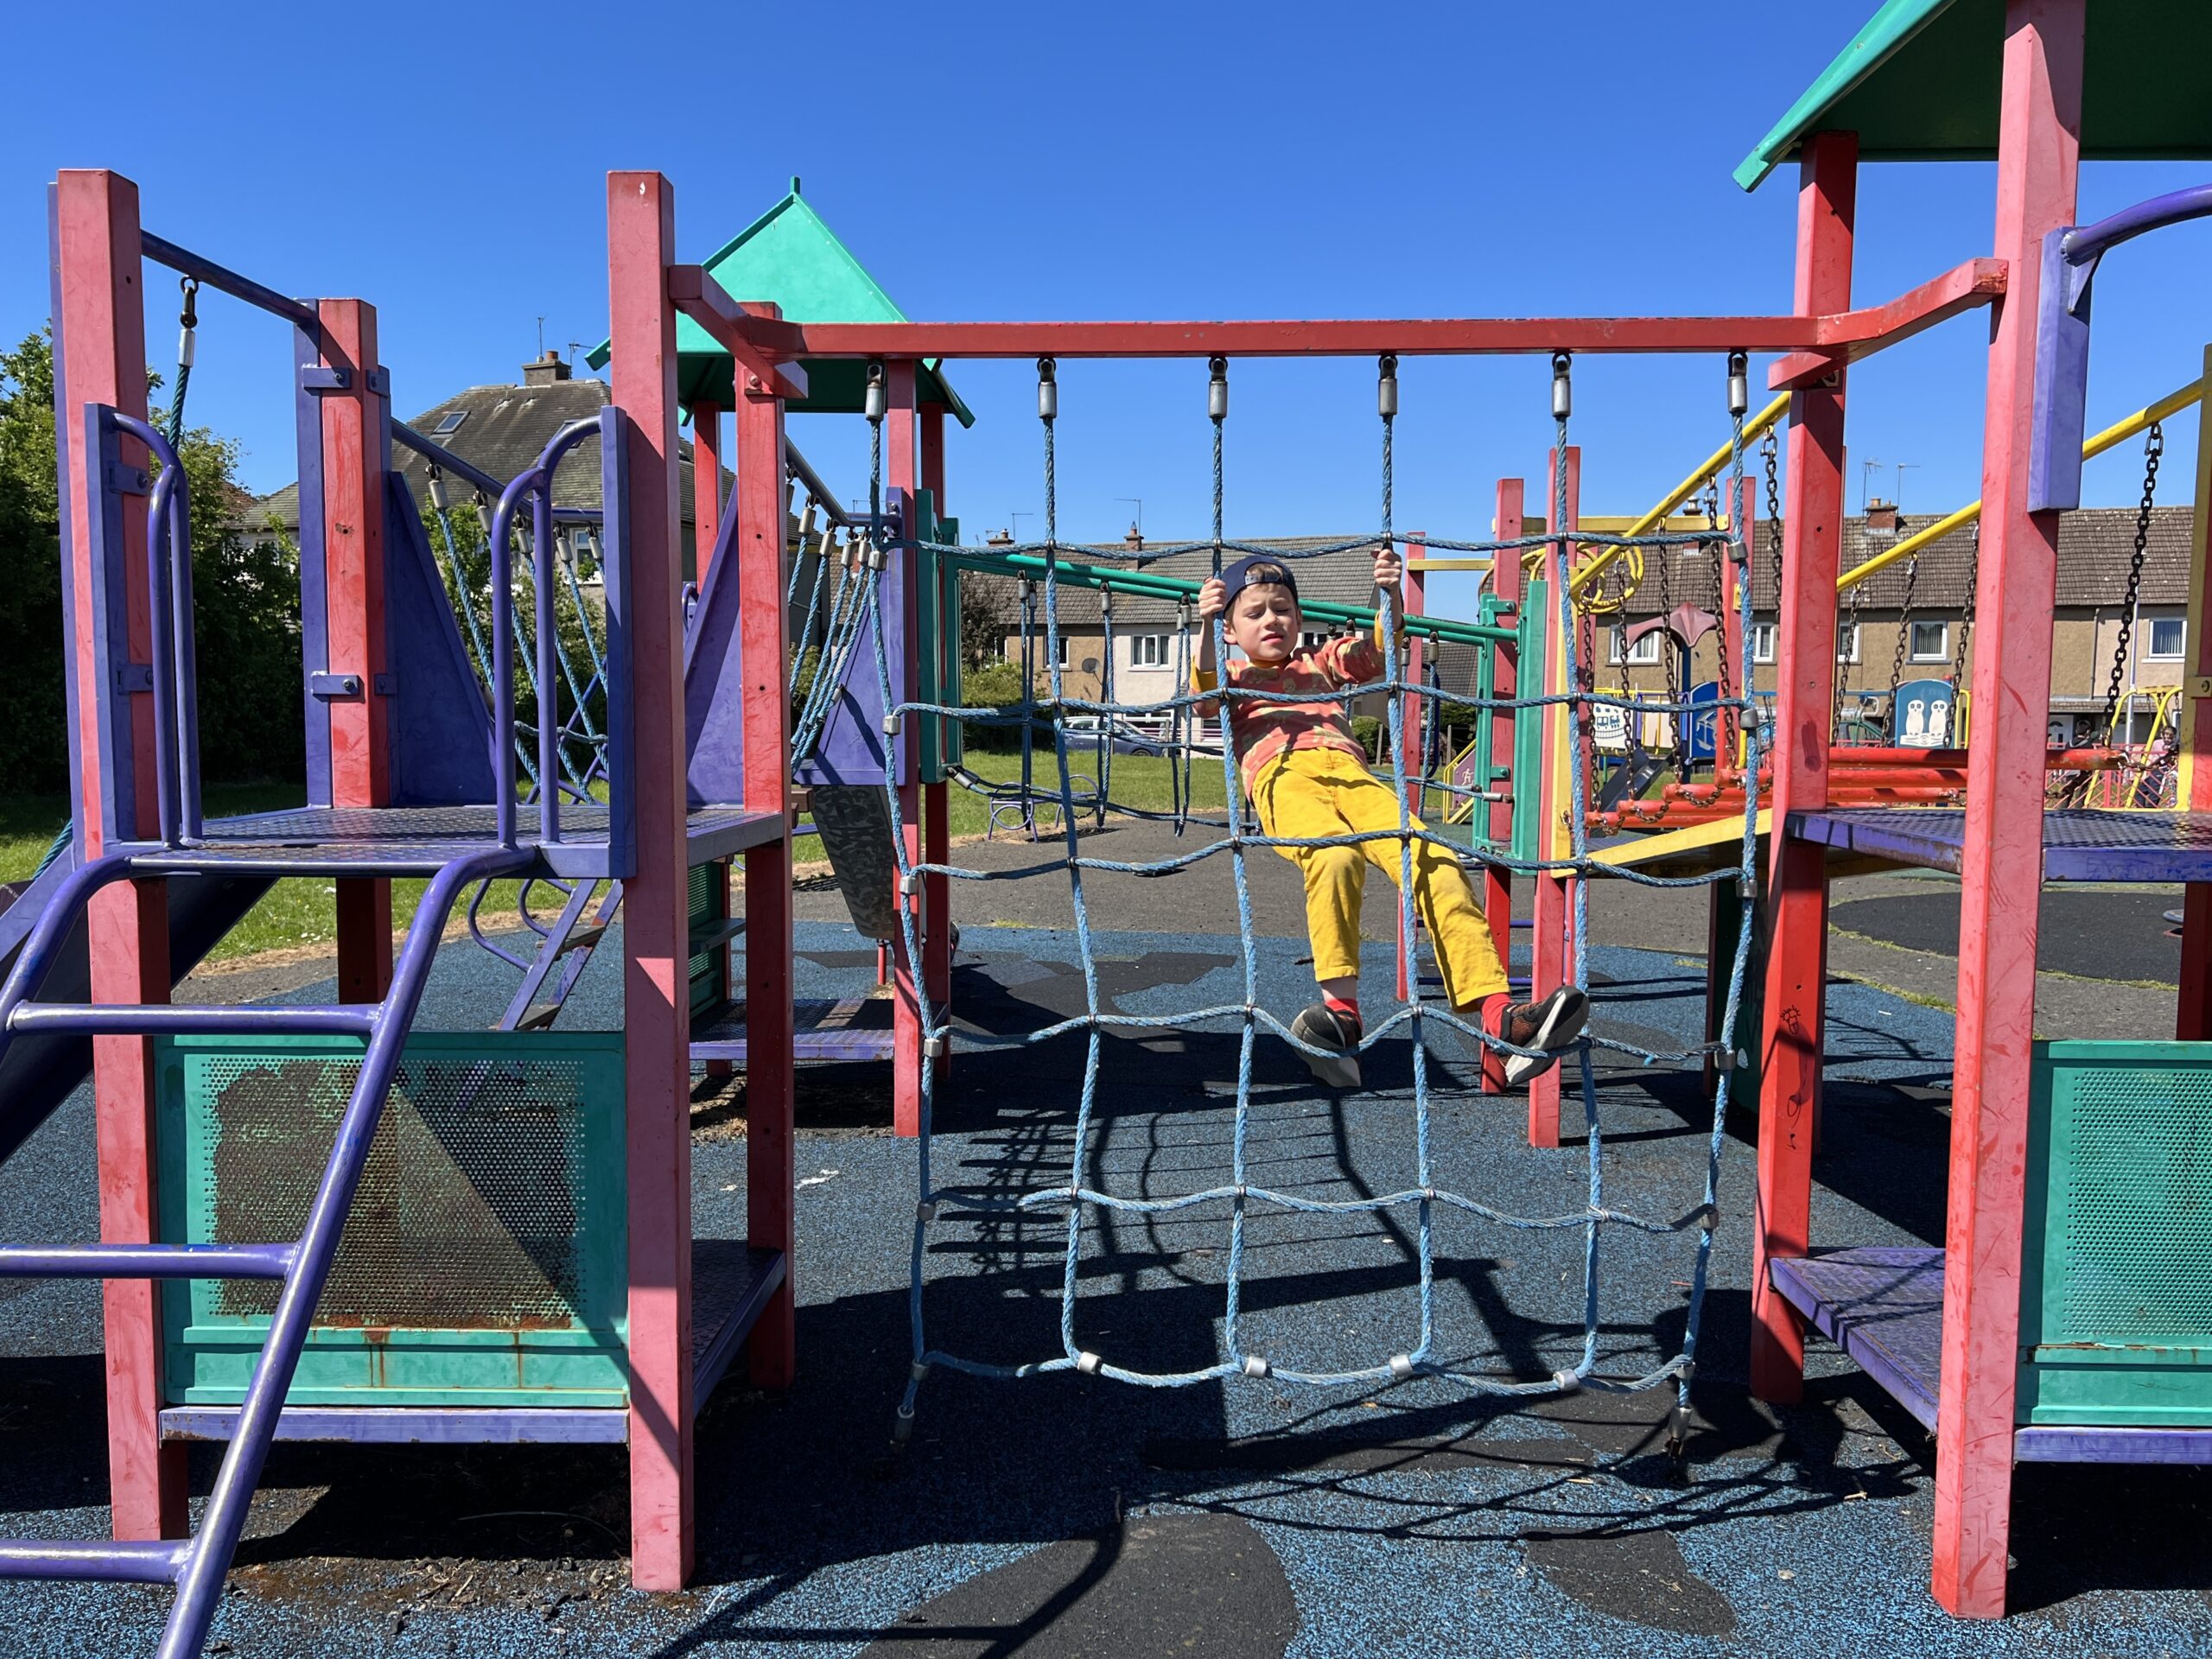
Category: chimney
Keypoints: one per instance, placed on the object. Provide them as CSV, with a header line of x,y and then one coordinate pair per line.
x,y
1881,517
1135,540
546,370
1001,538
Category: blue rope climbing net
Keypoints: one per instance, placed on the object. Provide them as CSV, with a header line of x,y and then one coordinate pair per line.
x,y
1417,1019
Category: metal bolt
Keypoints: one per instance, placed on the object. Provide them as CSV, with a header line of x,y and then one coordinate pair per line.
x,y
1048,391
1739,385
877,402
1562,385
1218,389
1386,388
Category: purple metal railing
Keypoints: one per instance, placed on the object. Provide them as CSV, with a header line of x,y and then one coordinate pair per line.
x,y
197,1566
537,484
168,581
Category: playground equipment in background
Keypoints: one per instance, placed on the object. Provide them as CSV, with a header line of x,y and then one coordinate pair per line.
x,y
521,1267
2057,1323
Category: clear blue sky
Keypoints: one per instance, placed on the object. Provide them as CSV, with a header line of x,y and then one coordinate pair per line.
x,y
1031,162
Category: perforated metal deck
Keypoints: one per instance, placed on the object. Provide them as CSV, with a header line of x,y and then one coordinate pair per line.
x,y
854,1029
2079,844
1883,1305
417,839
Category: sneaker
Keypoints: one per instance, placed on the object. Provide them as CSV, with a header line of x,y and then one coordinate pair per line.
x,y
1324,1028
1551,1025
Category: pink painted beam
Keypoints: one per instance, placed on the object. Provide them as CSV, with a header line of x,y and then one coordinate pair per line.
x,y
706,531
100,334
936,811
901,434
740,330
1551,954
354,609
2038,152
1854,335
1505,682
1789,1074
656,945
771,1192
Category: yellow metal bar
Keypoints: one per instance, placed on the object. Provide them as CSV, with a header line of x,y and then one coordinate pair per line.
x,y
1591,568
2171,404
1447,564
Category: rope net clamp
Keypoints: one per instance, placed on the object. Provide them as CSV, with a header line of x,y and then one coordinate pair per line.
x,y
902,1426
926,1213
1254,1366
1401,1366
911,883
1739,386
877,402
1562,385
933,1047
1724,1060
1089,1365
1048,391
891,725
920,1370
1567,1381
1217,388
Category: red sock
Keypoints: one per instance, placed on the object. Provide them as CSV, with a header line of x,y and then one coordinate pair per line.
x,y
1335,1004
1492,1008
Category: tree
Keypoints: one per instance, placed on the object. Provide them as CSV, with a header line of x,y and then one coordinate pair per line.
x,y
988,609
34,751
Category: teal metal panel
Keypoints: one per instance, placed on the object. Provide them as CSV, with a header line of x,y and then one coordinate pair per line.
x,y
483,1264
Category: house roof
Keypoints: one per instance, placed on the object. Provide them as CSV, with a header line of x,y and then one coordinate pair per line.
x,y
1344,578
1920,82
789,256
502,430
2094,547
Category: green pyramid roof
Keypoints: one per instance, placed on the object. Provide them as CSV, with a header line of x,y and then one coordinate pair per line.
x,y
788,255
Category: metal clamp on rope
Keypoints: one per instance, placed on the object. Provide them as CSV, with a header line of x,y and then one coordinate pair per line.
x,y
1724,1060
1687,1370
1048,391
438,490
891,725
1739,385
1254,1366
1217,388
933,1047
902,1426
926,1213
1567,1381
1401,1366
1562,384
188,322
876,402
1089,1365
1386,388
877,558
910,883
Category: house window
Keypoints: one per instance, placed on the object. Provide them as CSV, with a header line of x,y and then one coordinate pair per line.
x,y
1846,642
1931,642
1644,650
1762,642
1148,650
1063,657
2169,634
448,422
1313,641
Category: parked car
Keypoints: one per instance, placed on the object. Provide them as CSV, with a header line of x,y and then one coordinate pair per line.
x,y
1127,739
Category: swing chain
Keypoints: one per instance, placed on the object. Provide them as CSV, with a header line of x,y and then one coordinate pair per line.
x,y
1846,655
1904,628
1769,453
1966,618
2154,446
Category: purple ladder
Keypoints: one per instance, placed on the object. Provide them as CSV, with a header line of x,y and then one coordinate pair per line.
x,y
197,1565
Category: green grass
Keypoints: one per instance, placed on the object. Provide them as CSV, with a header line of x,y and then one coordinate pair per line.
x,y
303,913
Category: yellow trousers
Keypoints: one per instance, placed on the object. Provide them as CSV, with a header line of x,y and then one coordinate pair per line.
x,y
1328,792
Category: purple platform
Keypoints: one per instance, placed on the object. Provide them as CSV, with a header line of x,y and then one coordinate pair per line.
x,y
1883,1305
731,1283
2079,844
420,840
854,1029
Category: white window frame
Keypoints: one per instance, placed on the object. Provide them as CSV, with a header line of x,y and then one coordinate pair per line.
x,y
1148,650
1941,653
1312,640
1850,653
1066,659
1643,653
2151,627
1763,642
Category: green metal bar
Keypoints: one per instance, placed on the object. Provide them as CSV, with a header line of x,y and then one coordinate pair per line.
x,y
1145,584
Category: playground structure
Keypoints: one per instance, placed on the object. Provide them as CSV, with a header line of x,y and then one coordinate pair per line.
x,y
693,758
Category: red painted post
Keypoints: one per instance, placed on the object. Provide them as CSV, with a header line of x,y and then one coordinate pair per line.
x,y
101,331
1409,746
2193,1012
360,741
1505,682
655,946
936,820
1790,1071
707,481
770,1174
2038,149
1551,955
899,428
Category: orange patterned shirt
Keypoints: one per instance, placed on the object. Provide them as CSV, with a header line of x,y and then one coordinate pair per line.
x,y
1263,730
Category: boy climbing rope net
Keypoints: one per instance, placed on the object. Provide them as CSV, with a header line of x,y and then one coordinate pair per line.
x,y
1307,777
